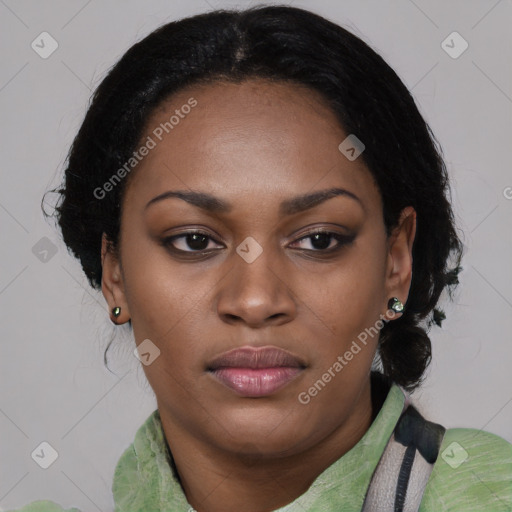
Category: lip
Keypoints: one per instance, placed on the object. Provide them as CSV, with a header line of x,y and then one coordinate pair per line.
x,y
256,372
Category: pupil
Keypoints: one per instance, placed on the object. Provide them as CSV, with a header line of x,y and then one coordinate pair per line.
x,y
194,241
319,240
326,240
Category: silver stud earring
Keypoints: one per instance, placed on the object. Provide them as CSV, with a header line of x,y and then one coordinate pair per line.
x,y
116,311
396,305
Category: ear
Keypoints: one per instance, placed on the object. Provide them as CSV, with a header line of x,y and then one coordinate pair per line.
x,y
112,284
399,256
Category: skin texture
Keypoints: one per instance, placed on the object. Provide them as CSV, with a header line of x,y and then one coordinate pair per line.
x,y
254,145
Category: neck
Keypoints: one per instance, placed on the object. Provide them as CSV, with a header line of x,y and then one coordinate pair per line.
x,y
216,481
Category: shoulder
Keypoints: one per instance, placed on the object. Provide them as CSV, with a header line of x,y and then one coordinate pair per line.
x,y
472,472
142,451
139,468
43,506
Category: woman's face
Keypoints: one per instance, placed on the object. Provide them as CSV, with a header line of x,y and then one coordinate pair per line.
x,y
247,157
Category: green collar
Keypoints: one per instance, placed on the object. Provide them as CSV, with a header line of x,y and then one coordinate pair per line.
x,y
144,481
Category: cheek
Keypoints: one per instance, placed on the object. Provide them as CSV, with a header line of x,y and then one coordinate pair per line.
x,y
351,293
347,303
349,306
168,304
158,292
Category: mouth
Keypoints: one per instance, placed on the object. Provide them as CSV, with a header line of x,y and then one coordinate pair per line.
x,y
256,372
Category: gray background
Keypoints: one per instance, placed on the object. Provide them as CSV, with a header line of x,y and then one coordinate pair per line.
x,y
54,329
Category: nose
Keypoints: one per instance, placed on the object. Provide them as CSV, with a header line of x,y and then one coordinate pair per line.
x,y
256,293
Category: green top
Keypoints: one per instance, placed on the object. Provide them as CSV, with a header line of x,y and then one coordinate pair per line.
x,y
472,473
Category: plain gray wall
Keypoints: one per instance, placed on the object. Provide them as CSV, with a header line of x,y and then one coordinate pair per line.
x,y
54,386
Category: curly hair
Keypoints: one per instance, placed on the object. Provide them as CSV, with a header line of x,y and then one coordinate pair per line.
x,y
278,43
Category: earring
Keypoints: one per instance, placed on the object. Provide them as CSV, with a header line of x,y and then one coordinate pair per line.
x,y
396,305
116,311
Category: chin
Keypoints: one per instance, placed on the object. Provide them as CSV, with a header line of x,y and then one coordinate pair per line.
x,y
265,431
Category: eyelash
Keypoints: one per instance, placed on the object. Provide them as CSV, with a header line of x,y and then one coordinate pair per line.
x,y
343,240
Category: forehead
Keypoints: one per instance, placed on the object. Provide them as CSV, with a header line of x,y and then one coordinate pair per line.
x,y
255,140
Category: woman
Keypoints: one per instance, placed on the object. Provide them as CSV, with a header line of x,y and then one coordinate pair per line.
x,y
258,197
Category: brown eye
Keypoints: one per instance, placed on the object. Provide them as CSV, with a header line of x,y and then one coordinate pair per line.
x,y
190,241
322,241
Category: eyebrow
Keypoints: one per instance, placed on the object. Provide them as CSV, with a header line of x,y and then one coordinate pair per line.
x,y
291,206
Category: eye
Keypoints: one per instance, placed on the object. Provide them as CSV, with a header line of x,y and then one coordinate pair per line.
x,y
322,241
197,241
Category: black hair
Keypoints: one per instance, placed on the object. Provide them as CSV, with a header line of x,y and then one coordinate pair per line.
x,y
278,43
